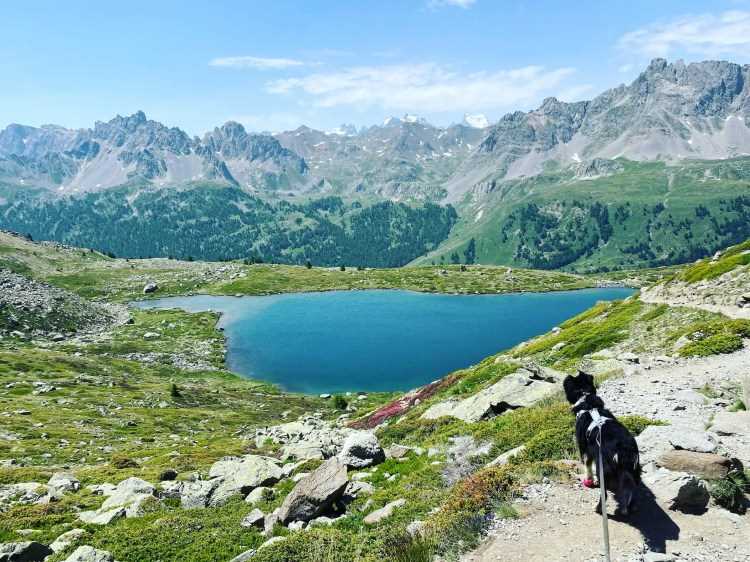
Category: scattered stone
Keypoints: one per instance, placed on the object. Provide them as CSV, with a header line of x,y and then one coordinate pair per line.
x,y
506,456
383,513
89,554
415,528
297,525
325,396
245,556
63,482
678,490
271,541
150,336
168,474
150,288
630,357
702,465
316,493
361,449
66,540
259,494
256,518
29,551
356,488
699,442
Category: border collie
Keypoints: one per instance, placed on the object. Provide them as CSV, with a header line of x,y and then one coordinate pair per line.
x,y
622,467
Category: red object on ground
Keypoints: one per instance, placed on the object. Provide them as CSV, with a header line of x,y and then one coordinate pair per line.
x,y
588,483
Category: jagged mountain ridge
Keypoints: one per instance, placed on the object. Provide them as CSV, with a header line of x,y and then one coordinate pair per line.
x,y
670,112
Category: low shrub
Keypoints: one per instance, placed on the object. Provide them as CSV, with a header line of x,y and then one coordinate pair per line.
x,y
713,345
729,492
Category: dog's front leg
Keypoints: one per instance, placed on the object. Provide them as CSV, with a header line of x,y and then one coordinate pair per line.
x,y
589,462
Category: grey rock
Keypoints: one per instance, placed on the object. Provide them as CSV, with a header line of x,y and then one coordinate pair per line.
x,y
678,490
245,556
316,493
523,388
102,516
384,512
356,488
197,494
66,539
64,482
240,475
732,423
259,494
28,551
130,493
361,449
506,456
150,288
89,554
256,518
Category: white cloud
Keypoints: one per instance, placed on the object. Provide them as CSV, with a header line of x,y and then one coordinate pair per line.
x,y
279,121
426,87
712,35
625,68
459,3
255,62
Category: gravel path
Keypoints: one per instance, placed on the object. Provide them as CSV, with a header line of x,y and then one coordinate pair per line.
x,y
557,520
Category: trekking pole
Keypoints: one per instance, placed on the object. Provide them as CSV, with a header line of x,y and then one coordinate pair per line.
x,y
605,526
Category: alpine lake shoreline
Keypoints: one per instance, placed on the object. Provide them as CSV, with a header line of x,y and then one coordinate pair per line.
x,y
110,407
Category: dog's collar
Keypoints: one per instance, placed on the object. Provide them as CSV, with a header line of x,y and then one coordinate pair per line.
x,y
580,401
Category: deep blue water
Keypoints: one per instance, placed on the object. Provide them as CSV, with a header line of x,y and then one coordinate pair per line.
x,y
377,340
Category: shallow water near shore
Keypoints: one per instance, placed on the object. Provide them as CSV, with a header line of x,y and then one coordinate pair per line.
x,y
377,340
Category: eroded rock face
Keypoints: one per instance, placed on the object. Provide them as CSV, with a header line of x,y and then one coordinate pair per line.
x,y
361,449
316,493
521,389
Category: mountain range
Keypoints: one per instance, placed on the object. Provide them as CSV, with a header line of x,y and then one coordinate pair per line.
x,y
674,125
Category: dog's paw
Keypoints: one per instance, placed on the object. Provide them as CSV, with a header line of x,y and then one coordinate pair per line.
x,y
588,483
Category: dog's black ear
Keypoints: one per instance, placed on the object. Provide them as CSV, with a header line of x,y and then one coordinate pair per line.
x,y
586,382
570,386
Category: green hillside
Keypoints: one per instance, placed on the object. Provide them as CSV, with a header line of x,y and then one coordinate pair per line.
x,y
631,214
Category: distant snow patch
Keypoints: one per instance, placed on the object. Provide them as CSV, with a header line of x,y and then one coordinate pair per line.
x,y
576,158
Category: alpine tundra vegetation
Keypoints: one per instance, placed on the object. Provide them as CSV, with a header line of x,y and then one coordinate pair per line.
x,y
199,156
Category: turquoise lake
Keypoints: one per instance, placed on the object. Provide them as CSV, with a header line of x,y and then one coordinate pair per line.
x,y
377,340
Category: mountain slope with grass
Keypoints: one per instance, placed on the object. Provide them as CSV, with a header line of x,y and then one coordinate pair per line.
x,y
137,441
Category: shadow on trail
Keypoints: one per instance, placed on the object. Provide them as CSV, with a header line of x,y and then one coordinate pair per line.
x,y
655,524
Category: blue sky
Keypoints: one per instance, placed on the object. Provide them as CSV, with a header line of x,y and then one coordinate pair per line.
x,y
274,65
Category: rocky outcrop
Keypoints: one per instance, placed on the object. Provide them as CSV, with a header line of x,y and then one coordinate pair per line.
x,y
125,500
521,389
316,493
240,475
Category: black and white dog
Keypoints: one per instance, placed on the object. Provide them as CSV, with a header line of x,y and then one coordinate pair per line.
x,y
596,425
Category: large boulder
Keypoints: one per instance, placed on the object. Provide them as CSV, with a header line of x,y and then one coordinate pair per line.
x,y
130,494
658,439
361,449
316,493
240,475
28,551
89,554
702,465
525,387
677,490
